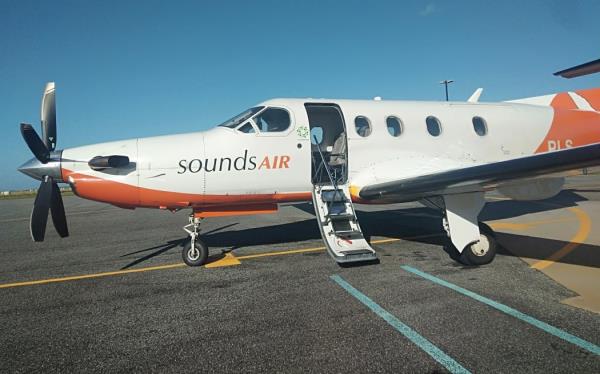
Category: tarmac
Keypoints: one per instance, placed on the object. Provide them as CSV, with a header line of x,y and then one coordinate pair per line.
x,y
115,295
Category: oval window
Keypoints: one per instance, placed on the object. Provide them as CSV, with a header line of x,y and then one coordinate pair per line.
x,y
362,126
433,126
479,126
394,126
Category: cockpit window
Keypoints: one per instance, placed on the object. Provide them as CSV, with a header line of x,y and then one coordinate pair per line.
x,y
273,120
246,128
235,121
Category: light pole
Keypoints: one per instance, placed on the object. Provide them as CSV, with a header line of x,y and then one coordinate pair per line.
x,y
446,82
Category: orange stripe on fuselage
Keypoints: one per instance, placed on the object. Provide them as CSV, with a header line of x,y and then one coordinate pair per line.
x,y
564,101
570,127
592,96
125,195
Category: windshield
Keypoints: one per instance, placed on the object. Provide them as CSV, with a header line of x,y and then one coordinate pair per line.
x,y
235,121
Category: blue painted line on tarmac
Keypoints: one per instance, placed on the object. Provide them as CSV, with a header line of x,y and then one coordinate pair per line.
x,y
436,353
591,347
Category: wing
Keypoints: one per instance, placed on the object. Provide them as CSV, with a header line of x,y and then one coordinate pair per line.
x,y
483,177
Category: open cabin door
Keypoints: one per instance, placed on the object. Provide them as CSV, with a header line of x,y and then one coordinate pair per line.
x,y
331,193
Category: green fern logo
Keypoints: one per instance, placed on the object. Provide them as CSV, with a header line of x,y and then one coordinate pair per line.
x,y
302,131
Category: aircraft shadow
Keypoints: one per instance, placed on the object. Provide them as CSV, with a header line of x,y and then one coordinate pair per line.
x,y
421,224
162,248
156,250
542,248
495,210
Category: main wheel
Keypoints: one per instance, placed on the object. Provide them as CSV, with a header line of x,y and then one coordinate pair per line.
x,y
481,252
196,256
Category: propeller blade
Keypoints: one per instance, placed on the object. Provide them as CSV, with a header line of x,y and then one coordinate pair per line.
x,y
39,214
48,115
58,212
35,144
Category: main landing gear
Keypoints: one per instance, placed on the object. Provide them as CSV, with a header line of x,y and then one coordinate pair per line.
x,y
195,251
472,243
478,253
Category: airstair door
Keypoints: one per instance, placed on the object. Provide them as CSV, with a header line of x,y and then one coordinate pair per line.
x,y
333,205
339,226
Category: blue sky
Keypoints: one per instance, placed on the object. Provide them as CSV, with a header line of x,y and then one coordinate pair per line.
x,y
128,69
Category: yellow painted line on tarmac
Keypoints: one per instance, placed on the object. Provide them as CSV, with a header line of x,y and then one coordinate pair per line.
x,y
317,249
228,260
585,226
509,226
526,225
281,253
90,276
231,260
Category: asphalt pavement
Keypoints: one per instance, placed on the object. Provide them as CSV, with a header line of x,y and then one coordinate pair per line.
x,y
115,297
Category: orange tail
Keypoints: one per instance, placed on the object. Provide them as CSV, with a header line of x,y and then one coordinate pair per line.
x,y
591,96
588,100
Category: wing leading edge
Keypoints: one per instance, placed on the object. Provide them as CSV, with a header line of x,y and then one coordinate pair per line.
x,y
484,177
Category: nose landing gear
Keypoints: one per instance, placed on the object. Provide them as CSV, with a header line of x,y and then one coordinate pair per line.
x,y
195,251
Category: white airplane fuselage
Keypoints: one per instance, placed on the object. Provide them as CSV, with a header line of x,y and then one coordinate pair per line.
x,y
228,168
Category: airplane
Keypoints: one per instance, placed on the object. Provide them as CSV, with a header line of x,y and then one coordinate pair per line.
x,y
335,154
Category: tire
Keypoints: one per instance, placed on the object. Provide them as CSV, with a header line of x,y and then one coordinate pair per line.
x,y
195,258
480,253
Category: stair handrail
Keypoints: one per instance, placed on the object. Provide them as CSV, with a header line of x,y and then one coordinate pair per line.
x,y
333,182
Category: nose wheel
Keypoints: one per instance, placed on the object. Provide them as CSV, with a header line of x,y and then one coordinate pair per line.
x,y
195,251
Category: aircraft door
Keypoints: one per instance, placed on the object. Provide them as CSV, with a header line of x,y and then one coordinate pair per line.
x,y
327,135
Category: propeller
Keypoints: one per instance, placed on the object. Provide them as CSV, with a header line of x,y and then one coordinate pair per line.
x,y
36,145
48,196
48,114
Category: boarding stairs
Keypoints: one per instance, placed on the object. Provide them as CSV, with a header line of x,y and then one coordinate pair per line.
x,y
337,220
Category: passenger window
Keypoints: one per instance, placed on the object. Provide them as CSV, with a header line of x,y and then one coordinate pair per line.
x,y
433,126
316,135
246,128
273,120
362,126
479,126
394,126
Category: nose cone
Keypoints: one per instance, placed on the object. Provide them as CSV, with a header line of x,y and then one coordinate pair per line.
x,y
36,170
33,168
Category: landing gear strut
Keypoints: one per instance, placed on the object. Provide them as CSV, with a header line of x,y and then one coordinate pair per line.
x,y
472,242
195,252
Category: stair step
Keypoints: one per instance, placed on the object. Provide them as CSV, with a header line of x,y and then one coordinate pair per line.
x,y
347,233
337,208
340,216
356,252
339,226
359,256
330,196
